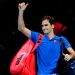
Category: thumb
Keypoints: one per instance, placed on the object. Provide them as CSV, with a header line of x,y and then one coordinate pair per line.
x,y
63,54
27,4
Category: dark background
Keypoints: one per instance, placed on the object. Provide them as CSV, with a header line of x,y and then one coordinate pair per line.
x,y
11,39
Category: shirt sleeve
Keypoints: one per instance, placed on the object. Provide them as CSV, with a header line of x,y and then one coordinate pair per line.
x,y
34,36
66,42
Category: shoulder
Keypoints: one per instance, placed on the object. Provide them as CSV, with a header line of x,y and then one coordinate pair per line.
x,y
34,36
64,38
66,42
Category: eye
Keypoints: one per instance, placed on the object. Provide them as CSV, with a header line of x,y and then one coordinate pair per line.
x,y
45,25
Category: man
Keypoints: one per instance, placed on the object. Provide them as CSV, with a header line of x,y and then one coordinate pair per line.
x,y
48,51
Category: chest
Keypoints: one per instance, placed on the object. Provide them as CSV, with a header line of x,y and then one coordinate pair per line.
x,y
50,45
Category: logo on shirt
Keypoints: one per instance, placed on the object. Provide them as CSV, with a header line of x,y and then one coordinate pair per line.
x,y
69,45
55,40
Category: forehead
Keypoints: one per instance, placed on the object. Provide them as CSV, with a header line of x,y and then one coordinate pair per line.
x,y
45,22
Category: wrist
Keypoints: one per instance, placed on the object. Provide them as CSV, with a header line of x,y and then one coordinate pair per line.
x,y
71,56
21,12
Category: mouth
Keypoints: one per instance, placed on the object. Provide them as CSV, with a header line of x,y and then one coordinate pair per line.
x,y
45,29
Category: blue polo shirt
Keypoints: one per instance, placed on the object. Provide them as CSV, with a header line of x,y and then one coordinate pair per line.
x,y
48,53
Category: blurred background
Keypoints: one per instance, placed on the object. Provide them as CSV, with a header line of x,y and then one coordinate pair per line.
x,y
11,39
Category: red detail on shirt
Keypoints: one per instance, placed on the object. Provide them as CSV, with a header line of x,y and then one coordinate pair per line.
x,y
55,40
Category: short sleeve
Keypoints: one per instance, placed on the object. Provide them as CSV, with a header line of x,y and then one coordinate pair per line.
x,y
66,42
34,36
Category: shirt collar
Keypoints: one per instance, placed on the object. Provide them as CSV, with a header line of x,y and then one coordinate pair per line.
x,y
54,38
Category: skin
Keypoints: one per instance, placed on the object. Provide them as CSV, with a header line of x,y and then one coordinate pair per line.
x,y
47,28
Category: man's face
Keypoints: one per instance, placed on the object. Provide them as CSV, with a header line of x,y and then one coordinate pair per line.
x,y
47,27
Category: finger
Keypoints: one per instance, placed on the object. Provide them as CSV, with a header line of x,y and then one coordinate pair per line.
x,y
66,59
63,54
19,5
24,2
27,4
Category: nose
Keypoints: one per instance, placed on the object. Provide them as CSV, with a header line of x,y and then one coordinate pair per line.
x,y
43,27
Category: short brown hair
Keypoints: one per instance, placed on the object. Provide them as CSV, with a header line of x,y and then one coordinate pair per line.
x,y
51,19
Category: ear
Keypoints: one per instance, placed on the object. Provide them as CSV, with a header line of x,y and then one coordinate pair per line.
x,y
53,26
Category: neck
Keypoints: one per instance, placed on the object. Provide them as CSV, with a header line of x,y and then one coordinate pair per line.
x,y
51,35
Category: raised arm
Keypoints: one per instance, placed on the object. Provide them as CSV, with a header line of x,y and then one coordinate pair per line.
x,y
21,23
